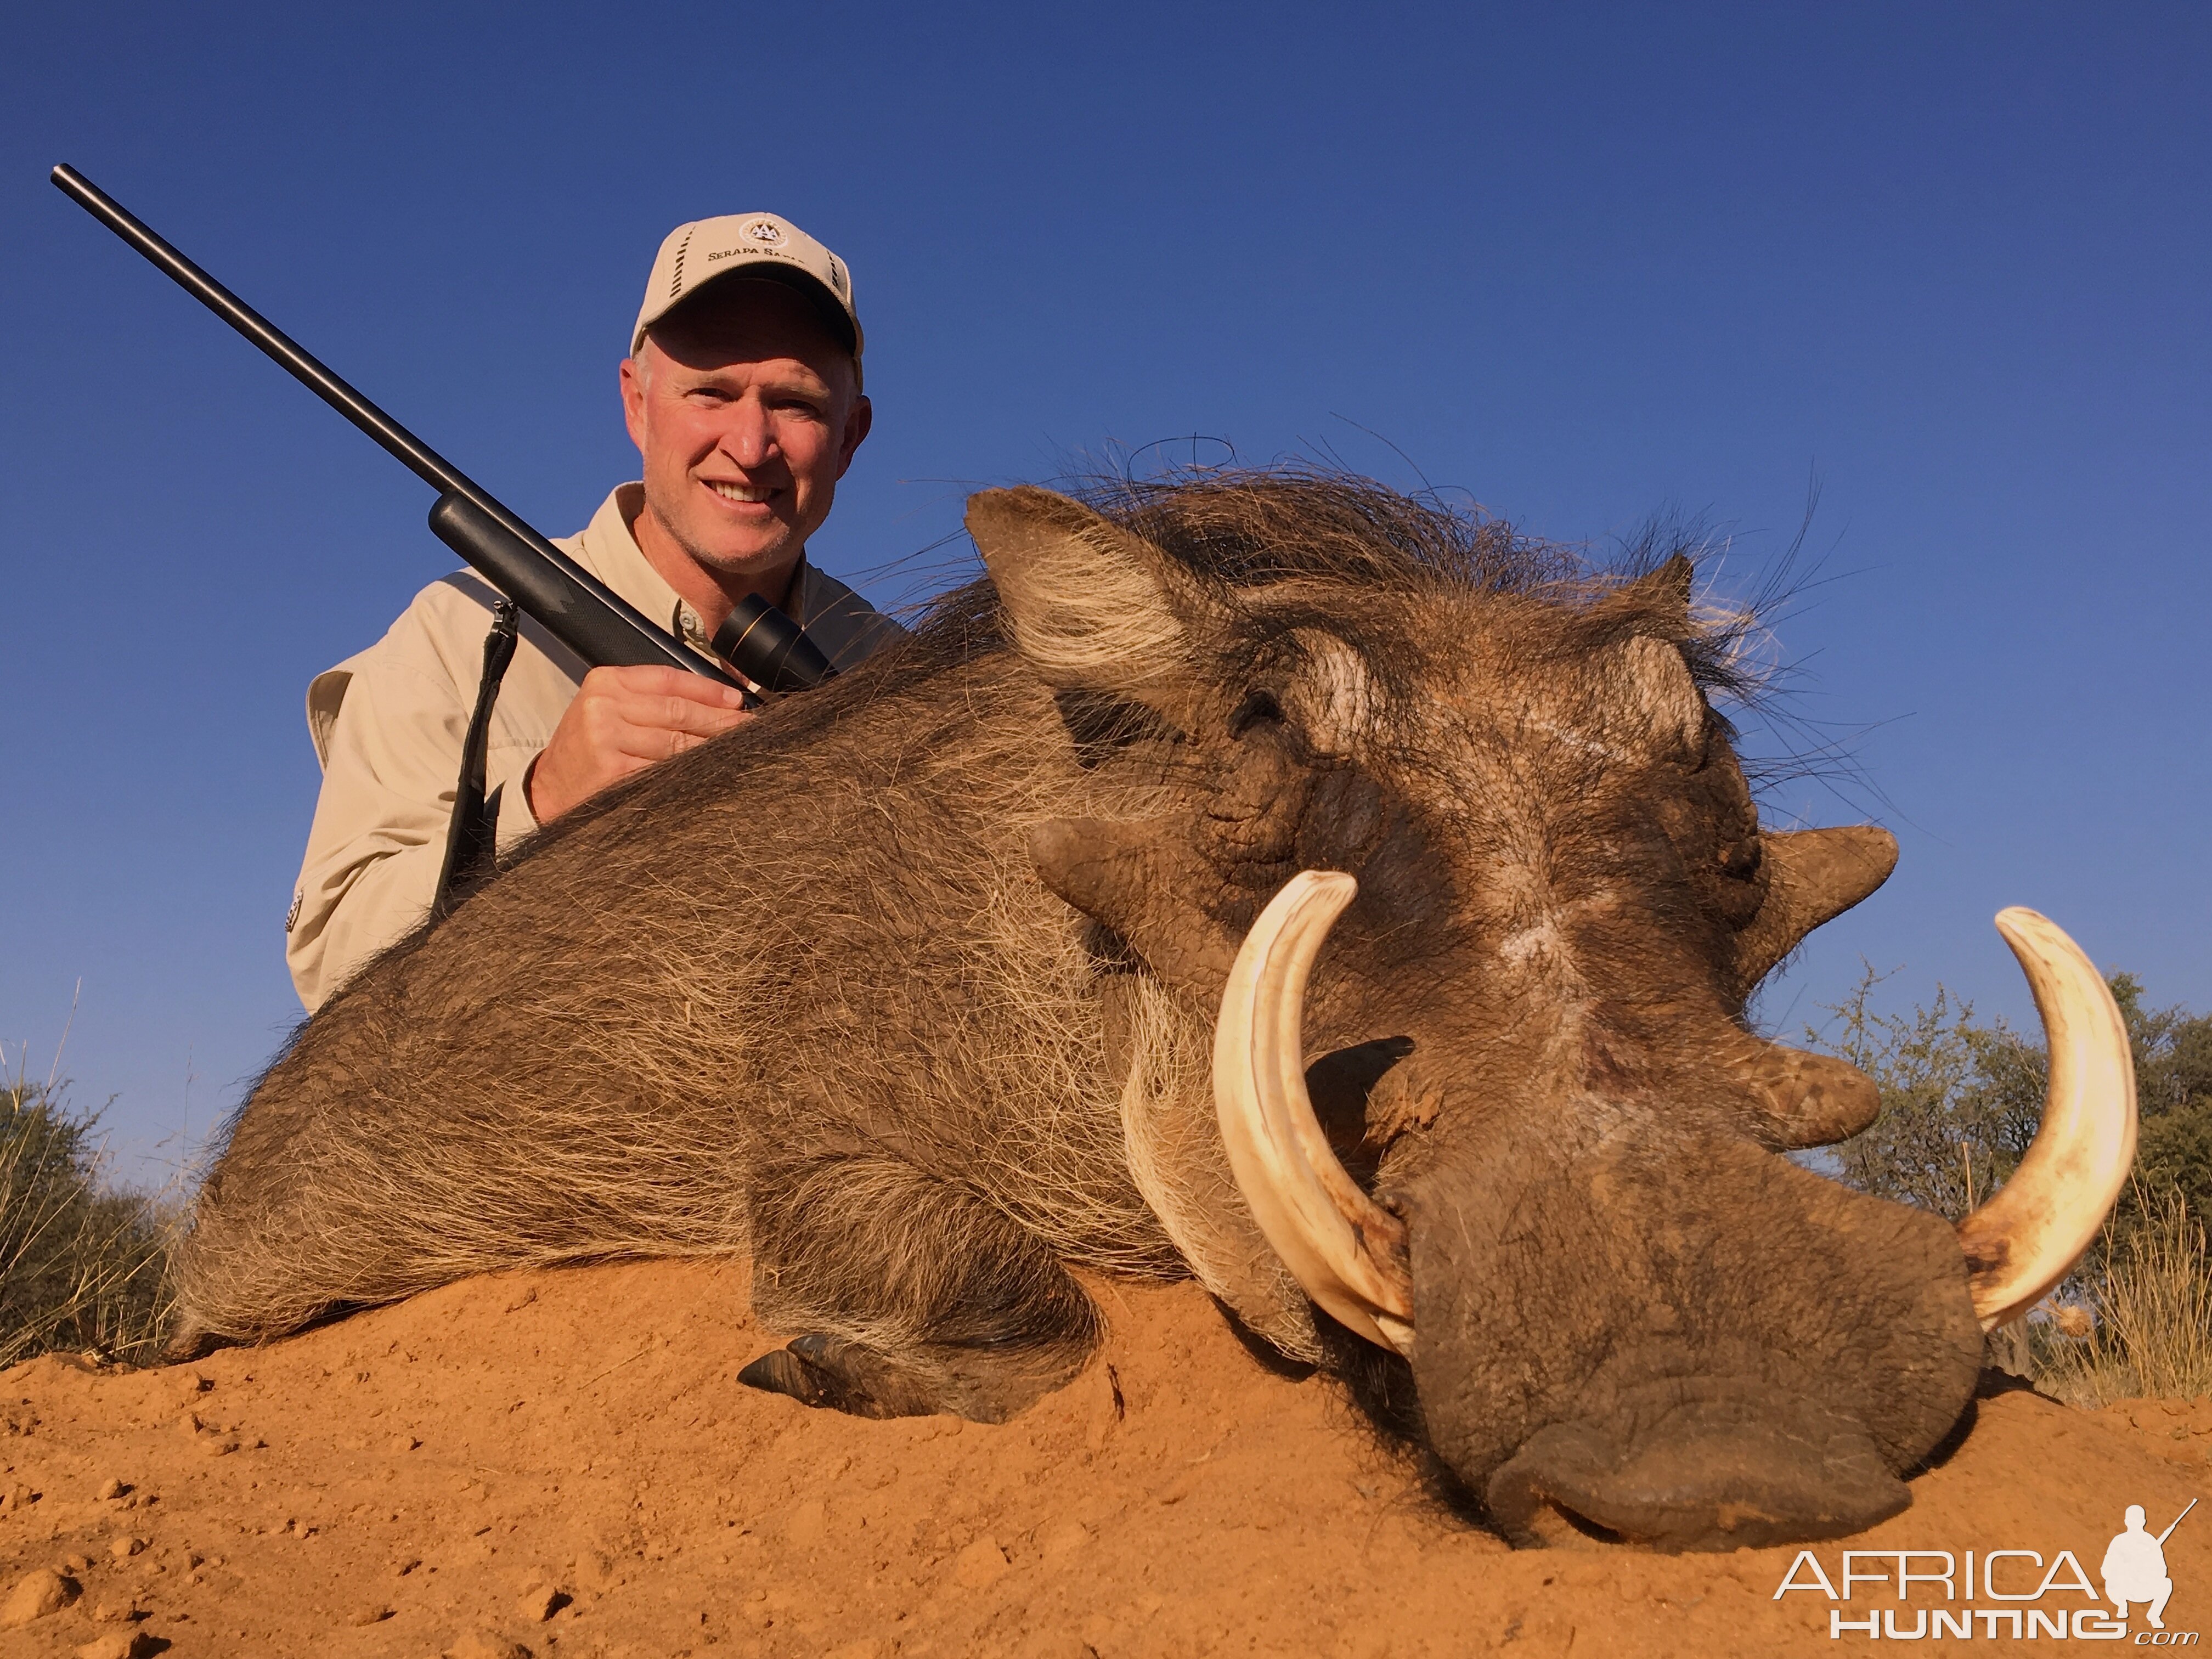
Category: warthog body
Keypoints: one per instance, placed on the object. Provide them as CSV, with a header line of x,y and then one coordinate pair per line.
x,y
908,989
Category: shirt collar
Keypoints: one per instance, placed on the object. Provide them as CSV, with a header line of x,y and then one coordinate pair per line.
x,y
613,555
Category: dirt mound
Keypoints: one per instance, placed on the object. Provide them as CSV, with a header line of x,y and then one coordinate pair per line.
x,y
563,1463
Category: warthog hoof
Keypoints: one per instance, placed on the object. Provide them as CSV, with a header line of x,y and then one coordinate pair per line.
x,y
846,1376
982,1384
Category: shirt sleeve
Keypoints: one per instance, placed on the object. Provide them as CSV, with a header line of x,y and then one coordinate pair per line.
x,y
389,725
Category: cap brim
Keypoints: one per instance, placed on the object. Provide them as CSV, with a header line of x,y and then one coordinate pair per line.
x,y
840,322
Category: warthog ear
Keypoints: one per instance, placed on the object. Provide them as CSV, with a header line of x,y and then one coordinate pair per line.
x,y
1091,607
1813,876
1651,615
1660,596
1665,706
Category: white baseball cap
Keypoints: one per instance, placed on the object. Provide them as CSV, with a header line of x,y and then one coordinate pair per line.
x,y
759,244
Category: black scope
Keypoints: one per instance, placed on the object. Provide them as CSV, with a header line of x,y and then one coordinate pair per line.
x,y
769,649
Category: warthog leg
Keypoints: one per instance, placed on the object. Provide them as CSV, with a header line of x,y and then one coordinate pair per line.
x,y
916,1296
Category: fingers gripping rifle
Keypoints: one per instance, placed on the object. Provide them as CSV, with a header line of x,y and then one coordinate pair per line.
x,y
535,576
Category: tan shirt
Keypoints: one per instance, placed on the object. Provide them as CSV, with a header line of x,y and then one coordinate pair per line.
x,y
388,723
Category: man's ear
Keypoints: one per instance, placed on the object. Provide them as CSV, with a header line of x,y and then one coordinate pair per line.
x,y
632,374
859,422
1092,607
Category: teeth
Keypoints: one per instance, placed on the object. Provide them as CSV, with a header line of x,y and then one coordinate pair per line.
x,y
730,492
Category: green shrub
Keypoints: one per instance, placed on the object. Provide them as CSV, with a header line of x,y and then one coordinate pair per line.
x,y
83,1266
1960,1102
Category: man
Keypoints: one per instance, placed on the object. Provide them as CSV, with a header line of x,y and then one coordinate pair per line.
x,y
742,391
2134,1568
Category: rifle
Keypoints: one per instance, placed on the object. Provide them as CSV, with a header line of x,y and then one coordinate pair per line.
x,y
2178,1520
536,577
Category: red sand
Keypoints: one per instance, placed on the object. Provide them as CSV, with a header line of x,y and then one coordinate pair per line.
x,y
432,1478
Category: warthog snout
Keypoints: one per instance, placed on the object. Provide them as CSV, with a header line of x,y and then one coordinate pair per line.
x,y
1705,1463
1733,1351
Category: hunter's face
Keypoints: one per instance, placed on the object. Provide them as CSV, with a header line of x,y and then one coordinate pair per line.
x,y
746,413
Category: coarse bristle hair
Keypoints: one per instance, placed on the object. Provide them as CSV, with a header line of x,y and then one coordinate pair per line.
x,y
1253,526
1242,528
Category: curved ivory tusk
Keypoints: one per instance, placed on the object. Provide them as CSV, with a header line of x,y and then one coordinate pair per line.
x,y
2024,1241
1346,1251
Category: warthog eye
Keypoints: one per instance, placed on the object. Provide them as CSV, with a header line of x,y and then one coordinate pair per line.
x,y
1100,724
1259,704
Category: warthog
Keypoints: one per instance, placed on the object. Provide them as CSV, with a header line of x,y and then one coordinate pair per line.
x,y
1004,956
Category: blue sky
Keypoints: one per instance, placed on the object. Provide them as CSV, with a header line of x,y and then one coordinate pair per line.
x,y
1587,262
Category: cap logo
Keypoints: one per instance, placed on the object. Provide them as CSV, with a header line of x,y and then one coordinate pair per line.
x,y
764,230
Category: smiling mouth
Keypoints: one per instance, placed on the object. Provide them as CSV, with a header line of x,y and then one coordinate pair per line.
x,y
750,494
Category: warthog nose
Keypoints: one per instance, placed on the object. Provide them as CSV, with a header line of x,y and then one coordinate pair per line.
x,y
1709,1464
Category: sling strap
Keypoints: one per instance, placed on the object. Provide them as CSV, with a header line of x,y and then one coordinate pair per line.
x,y
472,833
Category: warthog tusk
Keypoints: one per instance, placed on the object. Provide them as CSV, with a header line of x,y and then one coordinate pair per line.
x,y
1346,1251
2021,1242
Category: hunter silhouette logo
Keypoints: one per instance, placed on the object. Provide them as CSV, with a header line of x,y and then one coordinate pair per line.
x,y
2135,1567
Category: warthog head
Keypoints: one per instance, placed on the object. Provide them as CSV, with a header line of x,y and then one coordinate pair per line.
x,y
1467,865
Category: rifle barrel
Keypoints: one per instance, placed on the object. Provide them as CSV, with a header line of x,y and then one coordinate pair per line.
x,y
626,637
2178,1520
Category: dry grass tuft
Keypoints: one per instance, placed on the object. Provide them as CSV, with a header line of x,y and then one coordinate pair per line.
x,y
83,1266
2152,1333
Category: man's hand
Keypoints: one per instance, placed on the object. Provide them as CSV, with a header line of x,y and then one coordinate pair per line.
x,y
623,720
